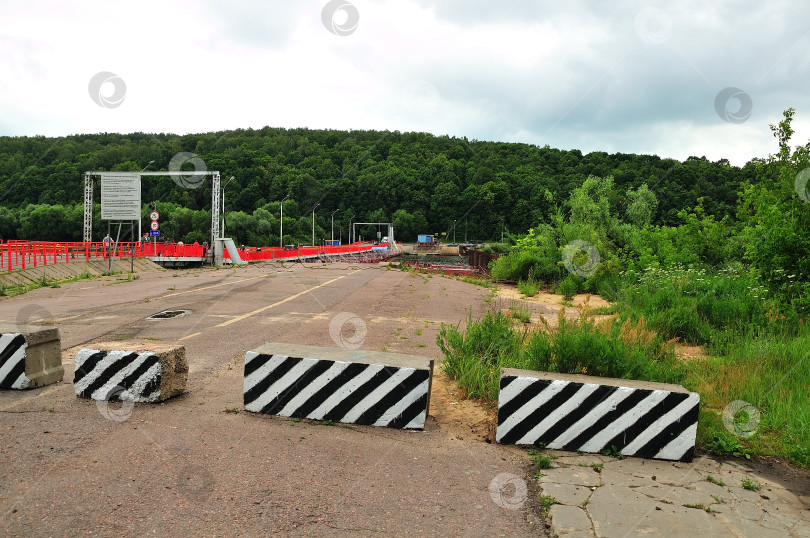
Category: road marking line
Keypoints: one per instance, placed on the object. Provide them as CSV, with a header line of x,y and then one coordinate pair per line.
x,y
189,336
290,298
209,287
43,393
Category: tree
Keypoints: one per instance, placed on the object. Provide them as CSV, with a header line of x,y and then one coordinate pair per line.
x,y
642,206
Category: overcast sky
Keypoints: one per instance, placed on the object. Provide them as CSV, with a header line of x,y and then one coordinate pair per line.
x,y
618,76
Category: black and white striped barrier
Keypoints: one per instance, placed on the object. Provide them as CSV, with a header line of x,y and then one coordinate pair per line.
x,y
351,386
130,375
593,414
30,356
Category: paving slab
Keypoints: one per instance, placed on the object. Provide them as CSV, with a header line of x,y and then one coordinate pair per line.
x,y
568,520
637,497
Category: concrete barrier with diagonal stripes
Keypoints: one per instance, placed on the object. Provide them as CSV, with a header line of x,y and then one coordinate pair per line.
x,y
351,386
30,356
134,375
593,414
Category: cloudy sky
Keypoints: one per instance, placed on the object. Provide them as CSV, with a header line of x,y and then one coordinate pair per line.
x,y
674,79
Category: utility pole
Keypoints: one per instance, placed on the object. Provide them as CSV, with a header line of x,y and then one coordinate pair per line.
x,y
333,224
313,224
281,220
454,231
502,230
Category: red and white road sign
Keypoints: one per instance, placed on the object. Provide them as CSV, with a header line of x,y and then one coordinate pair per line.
x,y
154,225
154,215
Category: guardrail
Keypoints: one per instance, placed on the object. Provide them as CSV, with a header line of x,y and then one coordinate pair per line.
x,y
20,254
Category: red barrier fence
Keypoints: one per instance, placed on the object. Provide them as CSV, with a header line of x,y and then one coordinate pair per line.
x,y
17,254
251,254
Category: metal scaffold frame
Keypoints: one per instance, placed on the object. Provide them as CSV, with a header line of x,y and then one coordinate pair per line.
x,y
89,177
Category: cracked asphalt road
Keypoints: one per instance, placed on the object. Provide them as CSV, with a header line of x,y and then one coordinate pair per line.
x,y
194,465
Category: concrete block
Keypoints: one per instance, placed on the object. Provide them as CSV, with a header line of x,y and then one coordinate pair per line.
x,y
30,356
592,414
350,386
120,372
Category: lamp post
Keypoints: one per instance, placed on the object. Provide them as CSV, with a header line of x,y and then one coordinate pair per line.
x,y
351,232
223,205
313,223
281,230
333,224
139,220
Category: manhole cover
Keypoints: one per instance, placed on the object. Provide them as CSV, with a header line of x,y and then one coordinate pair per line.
x,y
166,314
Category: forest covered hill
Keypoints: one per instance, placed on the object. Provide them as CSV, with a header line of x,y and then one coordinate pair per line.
x,y
421,181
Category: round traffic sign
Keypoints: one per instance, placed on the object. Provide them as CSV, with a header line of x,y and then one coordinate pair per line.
x,y
154,215
154,225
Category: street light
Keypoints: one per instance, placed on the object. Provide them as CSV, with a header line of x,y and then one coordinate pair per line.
x,y
139,220
281,231
313,223
223,204
333,224
351,234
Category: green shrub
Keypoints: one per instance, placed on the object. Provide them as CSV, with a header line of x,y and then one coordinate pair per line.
x,y
569,287
529,287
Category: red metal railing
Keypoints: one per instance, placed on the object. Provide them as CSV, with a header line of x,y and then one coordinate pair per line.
x,y
19,254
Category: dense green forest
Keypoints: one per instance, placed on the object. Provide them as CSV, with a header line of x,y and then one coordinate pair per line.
x,y
420,182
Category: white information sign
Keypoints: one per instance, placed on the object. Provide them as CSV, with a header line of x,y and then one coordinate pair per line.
x,y
120,196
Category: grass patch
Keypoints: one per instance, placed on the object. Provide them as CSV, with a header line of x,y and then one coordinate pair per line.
x,y
750,485
546,502
232,410
540,460
605,310
529,287
615,349
478,282
715,481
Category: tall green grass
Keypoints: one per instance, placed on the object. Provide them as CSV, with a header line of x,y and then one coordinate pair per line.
x,y
771,373
760,352
714,308
618,349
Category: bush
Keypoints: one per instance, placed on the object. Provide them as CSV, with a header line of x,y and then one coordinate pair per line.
x,y
569,287
529,287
